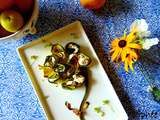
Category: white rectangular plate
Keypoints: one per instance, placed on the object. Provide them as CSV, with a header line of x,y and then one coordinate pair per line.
x,y
53,98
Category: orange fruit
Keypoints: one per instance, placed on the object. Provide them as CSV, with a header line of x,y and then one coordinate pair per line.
x,y
92,4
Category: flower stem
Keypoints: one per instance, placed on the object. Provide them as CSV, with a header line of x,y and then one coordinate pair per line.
x,y
154,90
147,77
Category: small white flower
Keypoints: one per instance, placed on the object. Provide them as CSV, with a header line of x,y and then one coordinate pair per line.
x,y
148,43
144,34
140,27
149,89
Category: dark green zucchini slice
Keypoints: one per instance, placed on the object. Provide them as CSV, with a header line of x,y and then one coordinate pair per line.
x,y
54,77
50,61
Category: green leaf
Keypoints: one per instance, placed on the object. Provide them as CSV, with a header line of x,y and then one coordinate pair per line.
x,y
139,41
156,93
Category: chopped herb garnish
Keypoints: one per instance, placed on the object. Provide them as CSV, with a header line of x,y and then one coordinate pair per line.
x,y
46,97
105,102
34,57
43,40
48,45
102,113
74,35
99,111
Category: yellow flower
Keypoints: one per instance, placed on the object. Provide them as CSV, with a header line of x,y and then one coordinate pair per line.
x,y
124,49
128,62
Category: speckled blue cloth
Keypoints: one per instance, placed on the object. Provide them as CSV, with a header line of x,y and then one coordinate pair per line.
x,y
17,98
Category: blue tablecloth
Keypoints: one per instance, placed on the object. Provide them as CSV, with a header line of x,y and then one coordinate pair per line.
x,y
17,98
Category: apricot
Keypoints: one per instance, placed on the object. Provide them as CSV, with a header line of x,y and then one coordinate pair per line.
x,y
92,4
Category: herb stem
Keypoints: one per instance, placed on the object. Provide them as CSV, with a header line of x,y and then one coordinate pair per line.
x,y
83,102
84,98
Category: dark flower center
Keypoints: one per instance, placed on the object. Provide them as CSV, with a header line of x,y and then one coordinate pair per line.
x,y
122,43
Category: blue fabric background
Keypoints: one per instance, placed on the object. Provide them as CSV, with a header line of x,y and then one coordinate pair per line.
x,y
17,98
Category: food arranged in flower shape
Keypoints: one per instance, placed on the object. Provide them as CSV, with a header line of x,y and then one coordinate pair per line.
x,y
66,66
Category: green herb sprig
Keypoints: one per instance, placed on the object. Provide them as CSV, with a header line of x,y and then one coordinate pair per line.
x,y
34,58
105,102
48,45
74,35
99,111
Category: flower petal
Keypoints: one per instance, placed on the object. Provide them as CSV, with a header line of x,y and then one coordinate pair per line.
x,y
115,42
148,43
131,37
139,25
133,55
126,65
119,55
115,54
128,50
131,64
123,54
134,46
112,50
144,34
